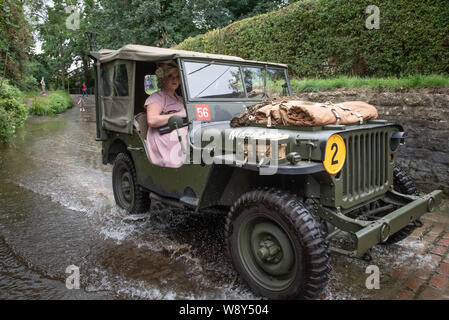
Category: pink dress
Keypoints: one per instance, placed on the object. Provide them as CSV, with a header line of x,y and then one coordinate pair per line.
x,y
165,150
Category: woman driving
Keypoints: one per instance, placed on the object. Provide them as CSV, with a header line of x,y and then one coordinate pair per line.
x,y
165,149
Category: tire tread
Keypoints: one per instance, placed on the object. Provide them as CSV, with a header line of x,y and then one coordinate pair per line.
x,y
308,231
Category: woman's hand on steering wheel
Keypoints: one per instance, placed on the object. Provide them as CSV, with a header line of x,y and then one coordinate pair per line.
x,y
182,113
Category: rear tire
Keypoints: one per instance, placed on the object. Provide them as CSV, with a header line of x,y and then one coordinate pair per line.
x,y
127,193
404,184
276,245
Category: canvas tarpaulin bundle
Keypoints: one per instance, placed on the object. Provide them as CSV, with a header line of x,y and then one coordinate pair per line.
x,y
295,112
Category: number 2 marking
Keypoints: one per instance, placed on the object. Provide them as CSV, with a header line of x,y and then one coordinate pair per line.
x,y
335,154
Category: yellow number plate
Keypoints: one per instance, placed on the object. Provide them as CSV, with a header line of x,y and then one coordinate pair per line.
x,y
335,156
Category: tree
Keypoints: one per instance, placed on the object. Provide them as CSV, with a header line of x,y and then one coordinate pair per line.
x,y
78,41
15,40
162,23
55,39
167,23
151,22
240,9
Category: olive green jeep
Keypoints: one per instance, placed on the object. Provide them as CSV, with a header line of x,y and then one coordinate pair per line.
x,y
288,190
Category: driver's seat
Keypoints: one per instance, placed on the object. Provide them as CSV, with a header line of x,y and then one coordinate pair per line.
x,y
141,124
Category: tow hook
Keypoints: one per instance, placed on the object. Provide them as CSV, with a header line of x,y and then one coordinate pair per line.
x,y
367,257
418,223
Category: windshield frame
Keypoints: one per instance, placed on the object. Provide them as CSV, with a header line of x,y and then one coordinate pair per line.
x,y
240,65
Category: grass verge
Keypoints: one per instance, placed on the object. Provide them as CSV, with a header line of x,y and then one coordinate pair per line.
x,y
55,102
390,83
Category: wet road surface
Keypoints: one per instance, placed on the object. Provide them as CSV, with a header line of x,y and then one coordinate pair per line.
x,y
57,209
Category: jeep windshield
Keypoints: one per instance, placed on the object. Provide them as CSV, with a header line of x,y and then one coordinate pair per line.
x,y
218,80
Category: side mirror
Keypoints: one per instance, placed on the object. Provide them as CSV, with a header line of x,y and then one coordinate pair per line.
x,y
148,85
175,122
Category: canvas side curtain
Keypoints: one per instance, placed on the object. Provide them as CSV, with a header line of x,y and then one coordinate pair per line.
x,y
117,96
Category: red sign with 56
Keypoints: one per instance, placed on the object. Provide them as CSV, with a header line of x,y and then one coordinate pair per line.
x,y
202,112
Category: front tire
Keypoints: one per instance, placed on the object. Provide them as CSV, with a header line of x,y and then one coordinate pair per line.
x,y
127,193
403,183
276,245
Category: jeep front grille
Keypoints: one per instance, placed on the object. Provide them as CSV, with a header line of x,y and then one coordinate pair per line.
x,y
366,170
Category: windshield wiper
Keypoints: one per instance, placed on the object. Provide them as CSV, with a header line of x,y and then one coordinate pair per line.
x,y
199,69
213,82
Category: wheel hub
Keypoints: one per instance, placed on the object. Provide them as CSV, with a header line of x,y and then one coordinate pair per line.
x,y
269,251
126,186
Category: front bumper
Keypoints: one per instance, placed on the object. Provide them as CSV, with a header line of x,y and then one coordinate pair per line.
x,y
412,208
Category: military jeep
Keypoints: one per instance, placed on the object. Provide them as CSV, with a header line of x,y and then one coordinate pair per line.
x,y
288,190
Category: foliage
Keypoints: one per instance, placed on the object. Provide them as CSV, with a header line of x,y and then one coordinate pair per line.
x,y
116,23
13,112
15,40
65,45
55,102
28,83
321,38
248,8
168,22
55,35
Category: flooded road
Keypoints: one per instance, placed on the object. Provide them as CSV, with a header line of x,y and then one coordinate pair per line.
x,y
57,209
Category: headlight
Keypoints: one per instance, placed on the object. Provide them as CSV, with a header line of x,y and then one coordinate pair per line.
x,y
396,139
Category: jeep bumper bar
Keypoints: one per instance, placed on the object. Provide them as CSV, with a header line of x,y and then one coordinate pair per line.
x,y
379,230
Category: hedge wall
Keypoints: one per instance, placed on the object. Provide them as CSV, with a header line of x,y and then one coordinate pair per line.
x,y
13,112
319,38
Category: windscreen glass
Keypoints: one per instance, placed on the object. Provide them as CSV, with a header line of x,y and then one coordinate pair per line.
x,y
209,80
254,81
276,83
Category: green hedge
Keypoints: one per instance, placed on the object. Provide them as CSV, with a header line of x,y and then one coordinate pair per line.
x,y
53,103
321,38
13,112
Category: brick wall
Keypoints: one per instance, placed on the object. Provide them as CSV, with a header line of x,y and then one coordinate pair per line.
x,y
424,114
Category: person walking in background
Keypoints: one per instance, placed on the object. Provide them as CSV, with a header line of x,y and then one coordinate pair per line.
x,y
85,90
43,84
81,103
